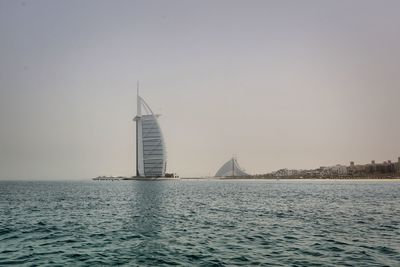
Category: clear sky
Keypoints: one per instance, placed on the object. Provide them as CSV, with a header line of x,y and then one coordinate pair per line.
x,y
296,84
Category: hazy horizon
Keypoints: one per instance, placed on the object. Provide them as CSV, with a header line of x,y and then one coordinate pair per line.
x,y
279,84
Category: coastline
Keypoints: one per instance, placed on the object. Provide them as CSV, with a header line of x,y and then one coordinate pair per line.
x,y
252,178
318,179
315,179
395,179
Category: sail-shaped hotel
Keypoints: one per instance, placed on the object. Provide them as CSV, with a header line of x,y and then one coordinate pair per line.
x,y
230,169
151,160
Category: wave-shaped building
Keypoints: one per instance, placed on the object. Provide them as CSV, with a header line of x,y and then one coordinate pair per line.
x,y
230,169
151,160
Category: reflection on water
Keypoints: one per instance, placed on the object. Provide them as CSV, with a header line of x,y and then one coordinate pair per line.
x,y
200,223
145,214
145,208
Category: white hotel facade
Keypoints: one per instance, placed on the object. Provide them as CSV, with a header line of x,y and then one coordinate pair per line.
x,y
151,160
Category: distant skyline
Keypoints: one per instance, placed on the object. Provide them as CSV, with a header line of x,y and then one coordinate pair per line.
x,y
279,84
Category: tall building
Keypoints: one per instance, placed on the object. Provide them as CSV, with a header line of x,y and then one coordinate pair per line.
x,y
230,168
151,160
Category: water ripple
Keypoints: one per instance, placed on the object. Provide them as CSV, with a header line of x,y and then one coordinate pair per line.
x,y
200,223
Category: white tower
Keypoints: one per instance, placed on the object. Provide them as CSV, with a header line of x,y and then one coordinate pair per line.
x,y
150,147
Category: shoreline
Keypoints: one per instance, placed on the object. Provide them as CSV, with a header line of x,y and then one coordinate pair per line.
x,y
252,178
318,179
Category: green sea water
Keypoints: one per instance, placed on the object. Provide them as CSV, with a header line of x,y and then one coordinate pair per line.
x,y
200,223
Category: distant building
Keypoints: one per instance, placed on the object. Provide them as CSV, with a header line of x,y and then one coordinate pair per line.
x,y
373,169
150,147
334,170
230,169
397,165
286,172
386,167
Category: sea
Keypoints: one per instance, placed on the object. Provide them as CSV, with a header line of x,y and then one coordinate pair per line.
x,y
200,223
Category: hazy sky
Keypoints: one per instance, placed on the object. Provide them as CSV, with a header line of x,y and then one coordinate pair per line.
x,y
297,84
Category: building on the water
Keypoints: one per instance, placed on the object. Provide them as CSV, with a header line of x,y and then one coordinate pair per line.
x,y
231,169
151,160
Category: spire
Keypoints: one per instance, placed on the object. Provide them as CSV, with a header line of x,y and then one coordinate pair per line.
x,y
139,104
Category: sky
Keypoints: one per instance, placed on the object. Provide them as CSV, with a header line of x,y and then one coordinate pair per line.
x,y
278,84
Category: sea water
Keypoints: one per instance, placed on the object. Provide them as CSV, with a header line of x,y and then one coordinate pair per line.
x,y
200,223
